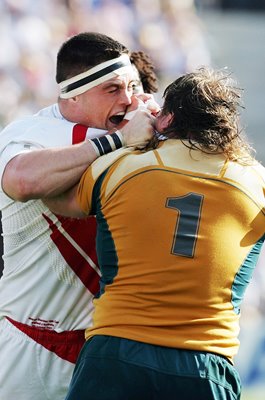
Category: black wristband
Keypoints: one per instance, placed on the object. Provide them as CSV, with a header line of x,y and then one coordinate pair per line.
x,y
108,143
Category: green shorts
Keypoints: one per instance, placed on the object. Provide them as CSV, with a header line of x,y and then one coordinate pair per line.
x,y
111,368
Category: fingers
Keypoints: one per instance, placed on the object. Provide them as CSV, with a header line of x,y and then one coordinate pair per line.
x,y
148,104
139,130
144,96
152,106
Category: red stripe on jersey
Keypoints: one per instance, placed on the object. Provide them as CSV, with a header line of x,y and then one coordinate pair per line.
x,y
66,345
83,233
79,133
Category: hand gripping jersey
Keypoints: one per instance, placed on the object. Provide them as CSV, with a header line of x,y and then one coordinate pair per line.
x,y
179,233
50,265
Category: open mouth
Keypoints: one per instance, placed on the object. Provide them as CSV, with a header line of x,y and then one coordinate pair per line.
x,y
116,119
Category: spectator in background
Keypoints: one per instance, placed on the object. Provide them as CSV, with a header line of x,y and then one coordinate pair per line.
x,y
146,78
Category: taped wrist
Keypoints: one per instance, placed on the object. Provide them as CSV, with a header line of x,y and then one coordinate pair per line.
x,y
108,143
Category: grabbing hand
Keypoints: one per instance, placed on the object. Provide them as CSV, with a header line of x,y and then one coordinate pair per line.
x,y
137,126
147,100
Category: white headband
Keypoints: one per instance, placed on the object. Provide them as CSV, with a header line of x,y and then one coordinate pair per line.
x,y
94,76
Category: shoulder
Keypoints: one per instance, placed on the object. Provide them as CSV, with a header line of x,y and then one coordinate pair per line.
x,y
260,170
41,130
254,170
51,111
104,162
250,178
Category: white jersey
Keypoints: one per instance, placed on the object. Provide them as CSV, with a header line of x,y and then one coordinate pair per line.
x,y
50,268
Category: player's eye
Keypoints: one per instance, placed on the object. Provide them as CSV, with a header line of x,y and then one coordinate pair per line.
x,y
113,89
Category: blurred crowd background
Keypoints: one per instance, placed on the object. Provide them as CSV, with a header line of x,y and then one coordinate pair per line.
x,y
31,32
179,35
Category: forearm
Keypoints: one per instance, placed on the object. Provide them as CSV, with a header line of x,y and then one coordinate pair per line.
x,y
65,204
49,172
46,172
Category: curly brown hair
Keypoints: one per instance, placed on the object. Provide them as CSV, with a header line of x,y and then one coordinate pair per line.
x,y
204,106
146,70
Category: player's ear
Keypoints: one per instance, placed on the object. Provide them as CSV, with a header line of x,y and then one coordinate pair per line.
x,y
163,121
74,99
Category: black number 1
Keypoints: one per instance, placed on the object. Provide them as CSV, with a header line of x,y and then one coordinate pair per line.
x,y
187,225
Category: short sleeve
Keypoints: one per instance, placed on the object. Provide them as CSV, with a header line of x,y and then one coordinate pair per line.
x,y
11,151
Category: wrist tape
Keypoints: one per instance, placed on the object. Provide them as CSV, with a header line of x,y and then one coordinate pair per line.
x,y
108,143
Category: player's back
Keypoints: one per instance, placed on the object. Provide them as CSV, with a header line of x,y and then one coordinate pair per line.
x,y
179,235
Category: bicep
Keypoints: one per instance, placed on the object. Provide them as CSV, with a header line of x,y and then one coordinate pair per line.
x,y
12,180
15,176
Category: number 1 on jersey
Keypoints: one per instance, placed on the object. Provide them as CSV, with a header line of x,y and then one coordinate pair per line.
x,y
187,225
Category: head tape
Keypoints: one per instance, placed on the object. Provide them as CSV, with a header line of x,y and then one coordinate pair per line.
x,y
94,76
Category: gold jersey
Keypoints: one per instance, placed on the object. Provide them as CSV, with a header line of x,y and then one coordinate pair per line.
x,y
179,234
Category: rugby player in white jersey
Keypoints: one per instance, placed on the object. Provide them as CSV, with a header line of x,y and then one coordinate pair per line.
x,y
50,268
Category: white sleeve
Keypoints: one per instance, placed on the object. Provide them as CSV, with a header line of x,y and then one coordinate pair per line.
x,y
36,132
12,150
33,133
